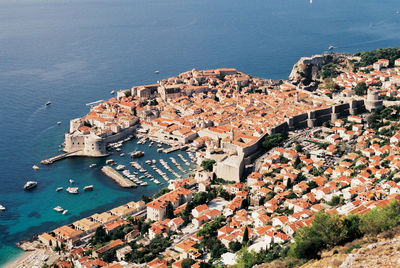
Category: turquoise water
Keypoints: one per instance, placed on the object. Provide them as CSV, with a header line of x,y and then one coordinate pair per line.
x,y
74,52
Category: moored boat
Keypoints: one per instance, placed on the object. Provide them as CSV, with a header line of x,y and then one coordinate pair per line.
x,y
137,154
58,209
30,185
72,190
120,167
88,188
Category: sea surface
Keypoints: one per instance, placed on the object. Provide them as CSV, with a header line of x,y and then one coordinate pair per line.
x,y
73,52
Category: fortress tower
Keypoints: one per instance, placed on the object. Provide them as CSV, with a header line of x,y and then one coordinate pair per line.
x,y
373,103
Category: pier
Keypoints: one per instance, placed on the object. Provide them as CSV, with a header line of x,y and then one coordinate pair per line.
x,y
175,148
51,160
118,178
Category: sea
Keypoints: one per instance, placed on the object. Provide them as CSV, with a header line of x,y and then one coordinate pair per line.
x,y
72,52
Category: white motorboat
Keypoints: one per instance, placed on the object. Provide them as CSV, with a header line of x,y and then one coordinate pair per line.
x,y
148,162
48,103
72,190
59,189
120,167
110,162
92,165
65,212
58,209
59,123
30,185
122,154
153,161
71,181
2,208
156,71
112,92
88,188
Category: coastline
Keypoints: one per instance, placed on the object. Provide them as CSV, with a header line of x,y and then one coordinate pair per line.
x,y
32,258
19,260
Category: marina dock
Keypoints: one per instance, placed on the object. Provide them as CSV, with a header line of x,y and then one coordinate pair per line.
x,y
118,178
51,160
175,148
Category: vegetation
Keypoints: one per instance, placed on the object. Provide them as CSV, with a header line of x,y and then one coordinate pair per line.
x,y
273,140
380,117
369,57
247,259
361,89
169,213
187,263
329,70
163,191
211,228
328,231
142,254
208,164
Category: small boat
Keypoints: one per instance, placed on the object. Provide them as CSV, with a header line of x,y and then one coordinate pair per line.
x,y
2,208
72,190
35,167
120,167
30,185
331,47
110,162
153,161
88,188
92,165
71,181
112,92
59,189
65,212
122,154
59,123
48,103
159,150
58,209
137,154
156,71
148,162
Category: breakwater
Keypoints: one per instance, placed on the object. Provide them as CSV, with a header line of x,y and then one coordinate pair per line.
x,y
118,178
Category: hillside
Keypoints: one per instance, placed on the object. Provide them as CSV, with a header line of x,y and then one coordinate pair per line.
x,y
372,251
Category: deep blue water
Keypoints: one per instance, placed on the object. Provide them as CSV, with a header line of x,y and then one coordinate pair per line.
x,y
74,52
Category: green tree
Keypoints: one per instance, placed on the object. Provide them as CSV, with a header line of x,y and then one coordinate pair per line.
x,y
361,89
299,148
208,164
169,211
273,140
245,236
187,263
235,246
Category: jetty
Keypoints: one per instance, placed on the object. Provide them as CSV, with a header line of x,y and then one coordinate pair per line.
x,y
175,148
51,160
118,178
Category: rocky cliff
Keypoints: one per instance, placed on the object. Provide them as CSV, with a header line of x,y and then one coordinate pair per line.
x,y
307,71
